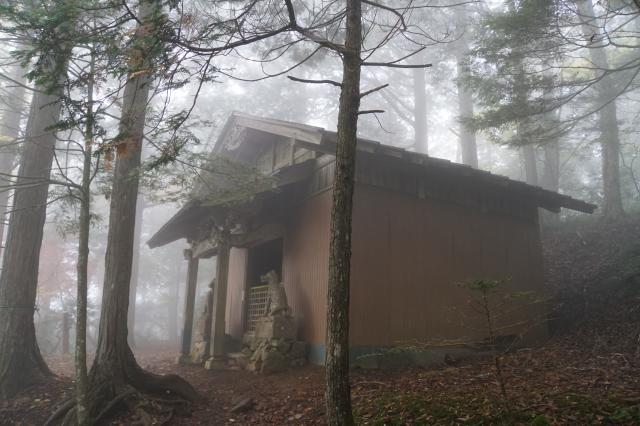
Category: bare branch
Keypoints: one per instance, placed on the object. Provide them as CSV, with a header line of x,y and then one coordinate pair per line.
x,y
388,9
368,92
292,13
304,80
394,65
130,12
371,111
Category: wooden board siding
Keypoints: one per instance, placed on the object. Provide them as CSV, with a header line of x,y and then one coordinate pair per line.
x,y
305,265
409,255
235,292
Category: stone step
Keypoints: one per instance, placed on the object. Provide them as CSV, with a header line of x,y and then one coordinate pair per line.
x,y
236,355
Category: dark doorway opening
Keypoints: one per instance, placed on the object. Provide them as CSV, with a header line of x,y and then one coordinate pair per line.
x,y
262,259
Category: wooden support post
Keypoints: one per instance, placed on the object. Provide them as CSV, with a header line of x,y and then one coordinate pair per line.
x,y
208,321
220,302
190,299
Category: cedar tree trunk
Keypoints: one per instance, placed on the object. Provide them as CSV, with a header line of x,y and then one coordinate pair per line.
x,y
421,136
337,390
82,408
468,144
115,370
135,270
14,105
551,176
612,208
21,363
530,167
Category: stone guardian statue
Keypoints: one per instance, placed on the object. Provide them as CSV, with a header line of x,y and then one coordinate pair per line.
x,y
277,297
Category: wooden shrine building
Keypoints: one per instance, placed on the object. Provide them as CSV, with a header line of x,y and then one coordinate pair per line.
x,y
421,226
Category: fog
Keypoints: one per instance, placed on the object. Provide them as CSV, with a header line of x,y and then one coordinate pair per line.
x,y
540,92
244,84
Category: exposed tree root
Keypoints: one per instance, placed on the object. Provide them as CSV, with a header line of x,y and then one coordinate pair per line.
x,y
110,407
154,383
60,412
21,363
169,417
139,392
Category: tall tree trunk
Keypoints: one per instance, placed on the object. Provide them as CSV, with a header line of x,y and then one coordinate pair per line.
x,y
115,369
10,131
420,127
527,149
551,176
468,144
337,389
21,363
135,270
551,173
82,408
113,350
530,167
612,208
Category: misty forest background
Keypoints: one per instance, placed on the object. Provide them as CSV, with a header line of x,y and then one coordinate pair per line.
x,y
543,91
469,46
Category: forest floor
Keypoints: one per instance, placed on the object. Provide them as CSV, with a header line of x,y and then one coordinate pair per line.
x,y
558,384
588,373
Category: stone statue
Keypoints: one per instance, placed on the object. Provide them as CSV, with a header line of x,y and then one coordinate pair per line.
x,y
202,334
277,323
277,297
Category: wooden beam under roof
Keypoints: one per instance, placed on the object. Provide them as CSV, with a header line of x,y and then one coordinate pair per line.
x,y
267,232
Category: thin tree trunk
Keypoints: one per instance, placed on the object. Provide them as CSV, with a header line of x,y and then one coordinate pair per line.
x,y
551,176
337,389
612,208
610,144
530,167
420,128
468,144
82,408
10,131
21,362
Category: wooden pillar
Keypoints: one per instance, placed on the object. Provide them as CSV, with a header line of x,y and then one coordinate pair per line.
x,y
208,321
220,302
190,298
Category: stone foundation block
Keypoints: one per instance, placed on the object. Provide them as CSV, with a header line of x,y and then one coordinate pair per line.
x,y
276,327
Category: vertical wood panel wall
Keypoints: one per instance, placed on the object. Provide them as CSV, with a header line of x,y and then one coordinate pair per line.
x,y
409,256
305,266
304,269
